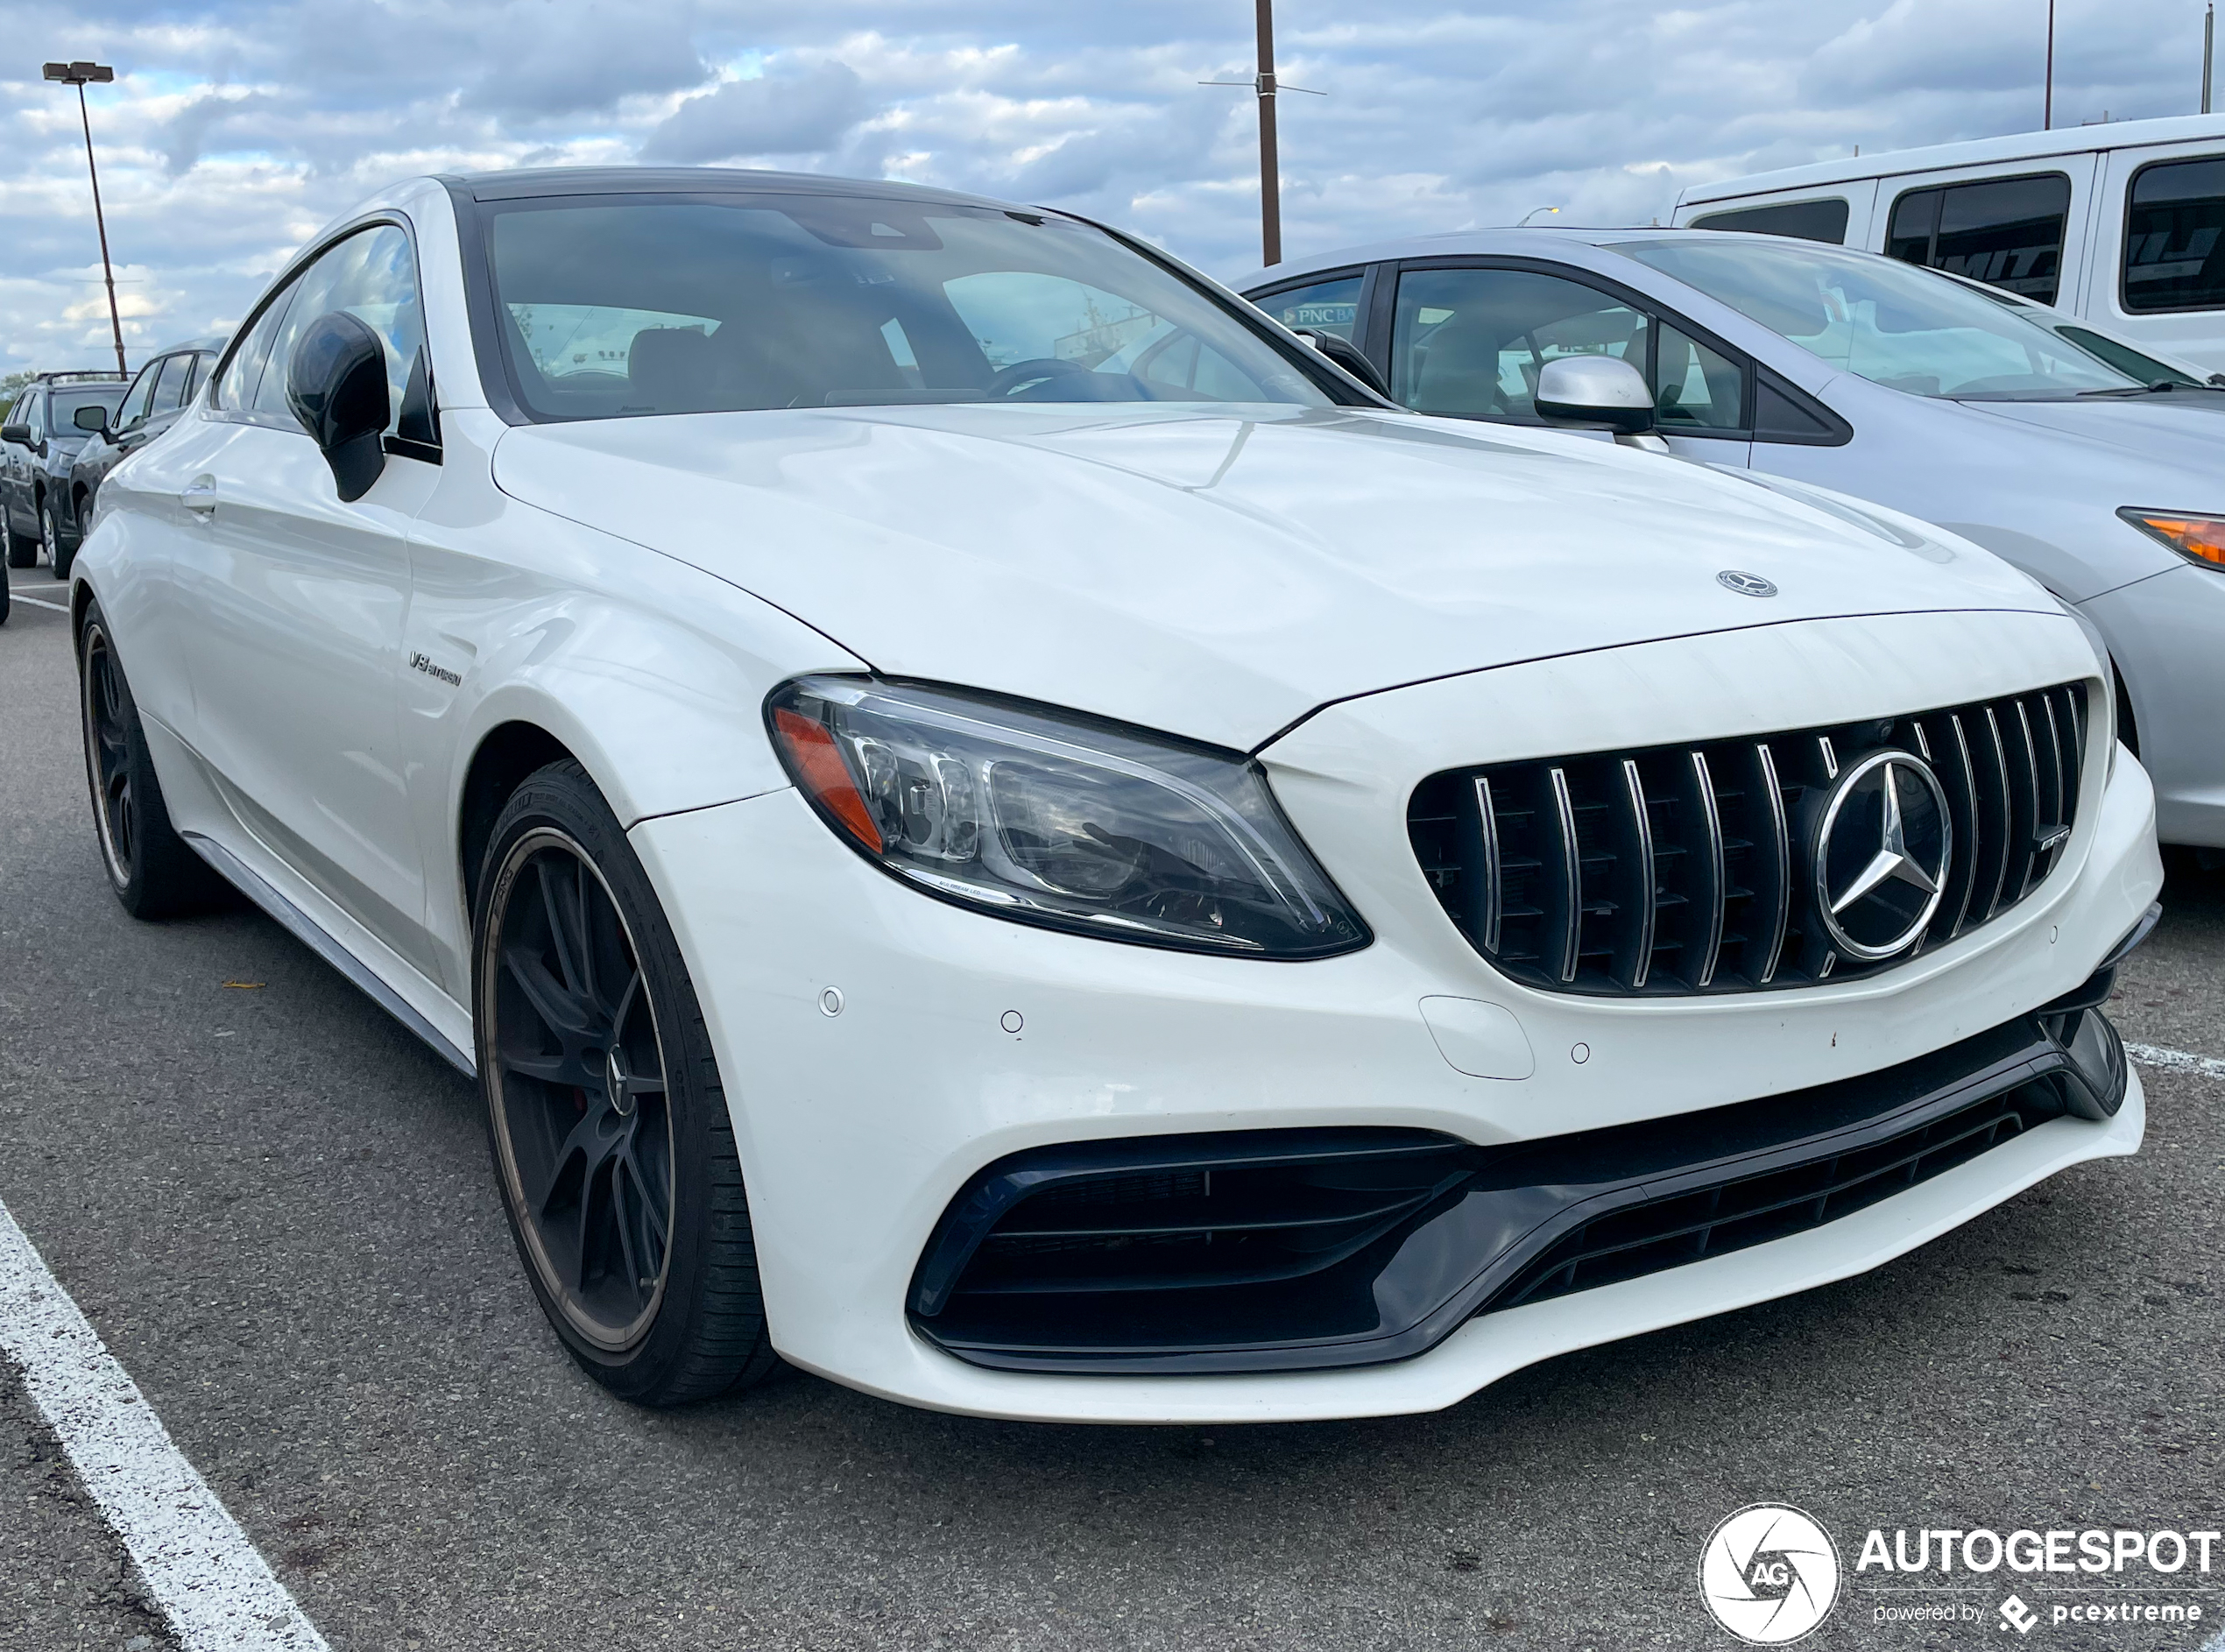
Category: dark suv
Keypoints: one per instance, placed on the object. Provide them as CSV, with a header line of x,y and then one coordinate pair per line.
x,y
37,440
164,389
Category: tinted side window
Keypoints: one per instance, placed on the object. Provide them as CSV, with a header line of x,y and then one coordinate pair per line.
x,y
371,274
1823,221
170,394
1326,307
237,385
2172,221
1474,341
2005,230
1783,414
134,407
35,416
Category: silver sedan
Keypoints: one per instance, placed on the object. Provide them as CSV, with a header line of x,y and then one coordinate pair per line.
x,y
1854,372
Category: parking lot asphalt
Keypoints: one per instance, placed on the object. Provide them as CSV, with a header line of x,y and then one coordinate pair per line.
x,y
276,1209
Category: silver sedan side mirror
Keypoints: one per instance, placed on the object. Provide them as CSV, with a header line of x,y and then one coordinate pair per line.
x,y
1599,392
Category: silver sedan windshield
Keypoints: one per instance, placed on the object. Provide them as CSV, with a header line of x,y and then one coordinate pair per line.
x,y
1902,328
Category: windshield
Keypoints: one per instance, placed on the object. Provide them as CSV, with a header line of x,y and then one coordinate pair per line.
x,y
633,306
66,402
1904,327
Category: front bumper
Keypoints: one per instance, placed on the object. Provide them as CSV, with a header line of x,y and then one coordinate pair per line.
x,y
1299,1250
961,1039
2168,635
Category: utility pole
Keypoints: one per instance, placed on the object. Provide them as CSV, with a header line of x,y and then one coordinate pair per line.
x,y
77,74
1265,86
2047,98
1270,166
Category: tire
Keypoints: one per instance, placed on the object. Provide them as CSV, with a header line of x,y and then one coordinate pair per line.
x,y
605,1107
59,557
22,552
151,868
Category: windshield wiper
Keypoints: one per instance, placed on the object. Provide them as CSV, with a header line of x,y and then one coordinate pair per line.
x,y
2160,387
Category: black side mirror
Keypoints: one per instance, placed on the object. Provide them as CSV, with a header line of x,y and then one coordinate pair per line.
x,y
336,386
1347,355
93,418
15,433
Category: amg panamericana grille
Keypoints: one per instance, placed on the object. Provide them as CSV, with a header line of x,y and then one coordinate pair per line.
x,y
1689,868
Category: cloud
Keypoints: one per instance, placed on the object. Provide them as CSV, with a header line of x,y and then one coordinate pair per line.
x,y
237,126
803,112
585,61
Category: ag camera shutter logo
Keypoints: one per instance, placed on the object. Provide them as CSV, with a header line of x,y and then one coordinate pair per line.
x,y
1769,1574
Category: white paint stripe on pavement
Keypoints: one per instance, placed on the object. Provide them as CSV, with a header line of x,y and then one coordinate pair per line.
x,y
216,1590
36,602
2176,1061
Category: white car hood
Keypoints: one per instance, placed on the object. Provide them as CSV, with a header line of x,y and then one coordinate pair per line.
x,y
1210,573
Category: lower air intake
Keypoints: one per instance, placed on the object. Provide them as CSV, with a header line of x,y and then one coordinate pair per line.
x,y
1308,1249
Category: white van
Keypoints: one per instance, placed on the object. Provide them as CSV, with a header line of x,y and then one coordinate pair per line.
x,y
2123,223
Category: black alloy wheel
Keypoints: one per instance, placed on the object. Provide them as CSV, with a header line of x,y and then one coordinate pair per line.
x,y
152,870
609,1129
108,755
57,557
584,1132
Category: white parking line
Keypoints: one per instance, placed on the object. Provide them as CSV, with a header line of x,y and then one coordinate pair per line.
x,y
213,1587
2176,1061
38,602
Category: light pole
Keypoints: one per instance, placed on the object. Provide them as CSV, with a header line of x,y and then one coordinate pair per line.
x,y
1266,86
2047,97
2210,39
78,75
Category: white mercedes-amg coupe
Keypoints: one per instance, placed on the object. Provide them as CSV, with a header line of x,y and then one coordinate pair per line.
x,y
994,825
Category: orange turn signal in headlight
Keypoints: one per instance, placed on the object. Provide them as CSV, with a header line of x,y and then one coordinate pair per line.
x,y
817,763
2200,538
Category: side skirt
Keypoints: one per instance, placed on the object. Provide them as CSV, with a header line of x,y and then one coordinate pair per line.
x,y
305,930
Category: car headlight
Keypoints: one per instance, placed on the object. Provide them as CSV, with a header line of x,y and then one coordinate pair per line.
x,y
2199,538
1056,819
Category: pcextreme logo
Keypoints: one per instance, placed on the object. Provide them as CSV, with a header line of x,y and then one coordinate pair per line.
x,y
1769,1574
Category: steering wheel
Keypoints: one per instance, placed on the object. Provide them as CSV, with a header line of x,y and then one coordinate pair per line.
x,y
1021,375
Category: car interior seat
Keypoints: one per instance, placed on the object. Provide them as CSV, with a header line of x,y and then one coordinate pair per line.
x,y
1458,372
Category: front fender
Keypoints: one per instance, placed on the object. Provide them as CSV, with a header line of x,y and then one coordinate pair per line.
x,y
649,672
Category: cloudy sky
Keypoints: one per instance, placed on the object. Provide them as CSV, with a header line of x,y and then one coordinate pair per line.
x,y
235,129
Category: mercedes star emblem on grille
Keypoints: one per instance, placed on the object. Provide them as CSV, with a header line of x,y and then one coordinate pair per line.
x,y
1882,853
1746,584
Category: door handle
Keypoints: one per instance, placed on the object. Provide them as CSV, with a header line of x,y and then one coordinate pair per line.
x,y
200,495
